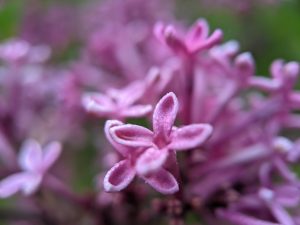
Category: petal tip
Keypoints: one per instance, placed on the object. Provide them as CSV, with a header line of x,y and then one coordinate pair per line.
x,y
112,123
118,177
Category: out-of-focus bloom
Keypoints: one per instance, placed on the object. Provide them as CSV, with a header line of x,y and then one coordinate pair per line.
x,y
283,79
117,104
18,51
35,95
119,37
35,163
195,40
155,147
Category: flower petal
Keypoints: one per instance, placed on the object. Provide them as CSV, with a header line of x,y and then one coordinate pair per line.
x,y
132,135
190,136
30,158
131,93
213,39
169,36
136,111
287,195
151,160
164,115
280,214
119,176
11,185
51,152
31,183
245,66
25,181
198,32
206,43
162,181
97,104
124,150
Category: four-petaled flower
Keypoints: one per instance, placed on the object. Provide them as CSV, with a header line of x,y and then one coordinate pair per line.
x,y
35,162
197,38
146,152
117,104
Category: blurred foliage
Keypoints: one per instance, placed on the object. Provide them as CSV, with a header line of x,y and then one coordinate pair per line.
x,y
10,17
85,172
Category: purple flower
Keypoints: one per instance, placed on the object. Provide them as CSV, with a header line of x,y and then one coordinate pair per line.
x,y
284,76
195,40
118,104
35,163
148,151
17,51
122,173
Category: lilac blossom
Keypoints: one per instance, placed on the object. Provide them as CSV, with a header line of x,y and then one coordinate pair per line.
x,y
118,104
153,148
120,38
35,163
196,39
123,172
21,52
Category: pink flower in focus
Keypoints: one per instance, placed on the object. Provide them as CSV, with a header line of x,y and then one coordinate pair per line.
x,y
122,173
146,152
35,163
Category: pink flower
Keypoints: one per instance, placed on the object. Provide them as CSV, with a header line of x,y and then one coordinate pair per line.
x,y
284,77
146,152
117,103
35,163
20,51
241,67
197,38
122,173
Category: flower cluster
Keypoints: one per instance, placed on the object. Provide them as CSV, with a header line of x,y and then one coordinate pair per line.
x,y
223,143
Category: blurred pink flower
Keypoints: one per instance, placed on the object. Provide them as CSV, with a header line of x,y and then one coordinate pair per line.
x,y
17,51
117,104
35,163
195,40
